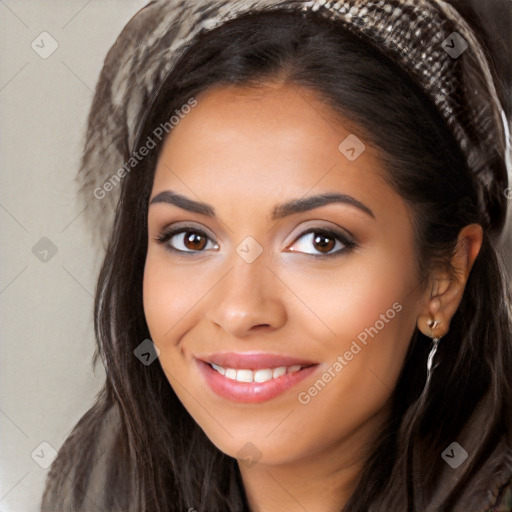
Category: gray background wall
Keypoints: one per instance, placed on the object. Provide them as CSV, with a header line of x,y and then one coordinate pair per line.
x,y
46,382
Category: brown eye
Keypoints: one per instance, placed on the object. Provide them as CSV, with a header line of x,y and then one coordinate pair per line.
x,y
186,240
194,241
323,242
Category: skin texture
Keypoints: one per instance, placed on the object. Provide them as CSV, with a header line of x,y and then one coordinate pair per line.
x,y
243,151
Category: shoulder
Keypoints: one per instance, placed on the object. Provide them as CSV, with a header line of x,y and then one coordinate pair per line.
x,y
79,472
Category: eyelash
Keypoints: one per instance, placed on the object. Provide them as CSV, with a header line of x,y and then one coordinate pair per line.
x,y
167,234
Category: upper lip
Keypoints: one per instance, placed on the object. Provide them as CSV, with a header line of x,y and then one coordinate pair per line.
x,y
254,360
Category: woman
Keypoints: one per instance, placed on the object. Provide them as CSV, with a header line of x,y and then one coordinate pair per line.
x,y
301,306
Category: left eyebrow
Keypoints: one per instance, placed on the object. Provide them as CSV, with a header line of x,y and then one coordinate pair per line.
x,y
278,212
312,202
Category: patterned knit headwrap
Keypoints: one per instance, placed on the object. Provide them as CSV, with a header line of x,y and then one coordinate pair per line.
x,y
428,38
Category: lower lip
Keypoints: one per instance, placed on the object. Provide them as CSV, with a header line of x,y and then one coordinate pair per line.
x,y
251,392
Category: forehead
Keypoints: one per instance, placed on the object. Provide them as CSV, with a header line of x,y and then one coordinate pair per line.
x,y
242,142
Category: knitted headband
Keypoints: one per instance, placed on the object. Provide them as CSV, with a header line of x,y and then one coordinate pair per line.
x,y
427,38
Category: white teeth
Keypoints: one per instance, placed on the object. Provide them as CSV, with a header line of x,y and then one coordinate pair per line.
x,y
257,375
277,372
230,373
221,370
262,375
244,375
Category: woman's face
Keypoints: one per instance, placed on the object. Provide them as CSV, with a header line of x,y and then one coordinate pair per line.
x,y
261,289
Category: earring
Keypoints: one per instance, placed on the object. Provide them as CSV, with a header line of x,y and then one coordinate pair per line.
x,y
432,324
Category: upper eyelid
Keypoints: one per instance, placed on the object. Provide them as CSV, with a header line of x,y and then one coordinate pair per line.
x,y
336,229
176,229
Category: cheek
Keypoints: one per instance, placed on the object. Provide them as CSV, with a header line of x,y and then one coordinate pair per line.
x,y
370,317
169,294
355,294
169,301
365,314
156,296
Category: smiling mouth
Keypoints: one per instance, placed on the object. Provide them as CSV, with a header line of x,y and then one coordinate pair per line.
x,y
246,385
262,375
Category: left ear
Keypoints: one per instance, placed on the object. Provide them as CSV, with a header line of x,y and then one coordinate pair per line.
x,y
447,289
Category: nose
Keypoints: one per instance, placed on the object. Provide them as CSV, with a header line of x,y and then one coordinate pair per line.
x,y
247,299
